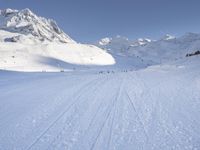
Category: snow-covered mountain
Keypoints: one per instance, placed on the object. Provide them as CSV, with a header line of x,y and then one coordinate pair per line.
x,y
27,23
32,43
167,48
167,37
120,45
114,45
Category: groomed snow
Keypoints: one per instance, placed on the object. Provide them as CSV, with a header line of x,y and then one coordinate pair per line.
x,y
156,108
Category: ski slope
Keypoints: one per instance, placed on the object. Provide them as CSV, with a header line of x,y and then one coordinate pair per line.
x,y
156,108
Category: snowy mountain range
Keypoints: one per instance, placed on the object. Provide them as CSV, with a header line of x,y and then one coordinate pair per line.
x,y
120,45
167,48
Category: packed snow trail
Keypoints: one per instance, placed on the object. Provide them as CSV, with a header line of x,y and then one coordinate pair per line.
x,y
151,109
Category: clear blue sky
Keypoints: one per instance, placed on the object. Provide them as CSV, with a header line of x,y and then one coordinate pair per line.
x,y
91,20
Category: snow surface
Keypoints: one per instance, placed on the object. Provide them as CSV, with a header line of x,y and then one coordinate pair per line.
x,y
150,109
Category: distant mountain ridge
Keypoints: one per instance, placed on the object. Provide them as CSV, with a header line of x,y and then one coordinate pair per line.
x,y
167,48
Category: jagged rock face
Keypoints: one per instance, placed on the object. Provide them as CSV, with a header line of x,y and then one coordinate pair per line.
x,y
26,22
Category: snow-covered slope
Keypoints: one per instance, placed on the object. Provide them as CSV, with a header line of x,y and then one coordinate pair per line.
x,y
32,43
152,109
51,56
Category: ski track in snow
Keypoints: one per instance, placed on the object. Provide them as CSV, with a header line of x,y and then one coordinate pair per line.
x,y
62,114
100,111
